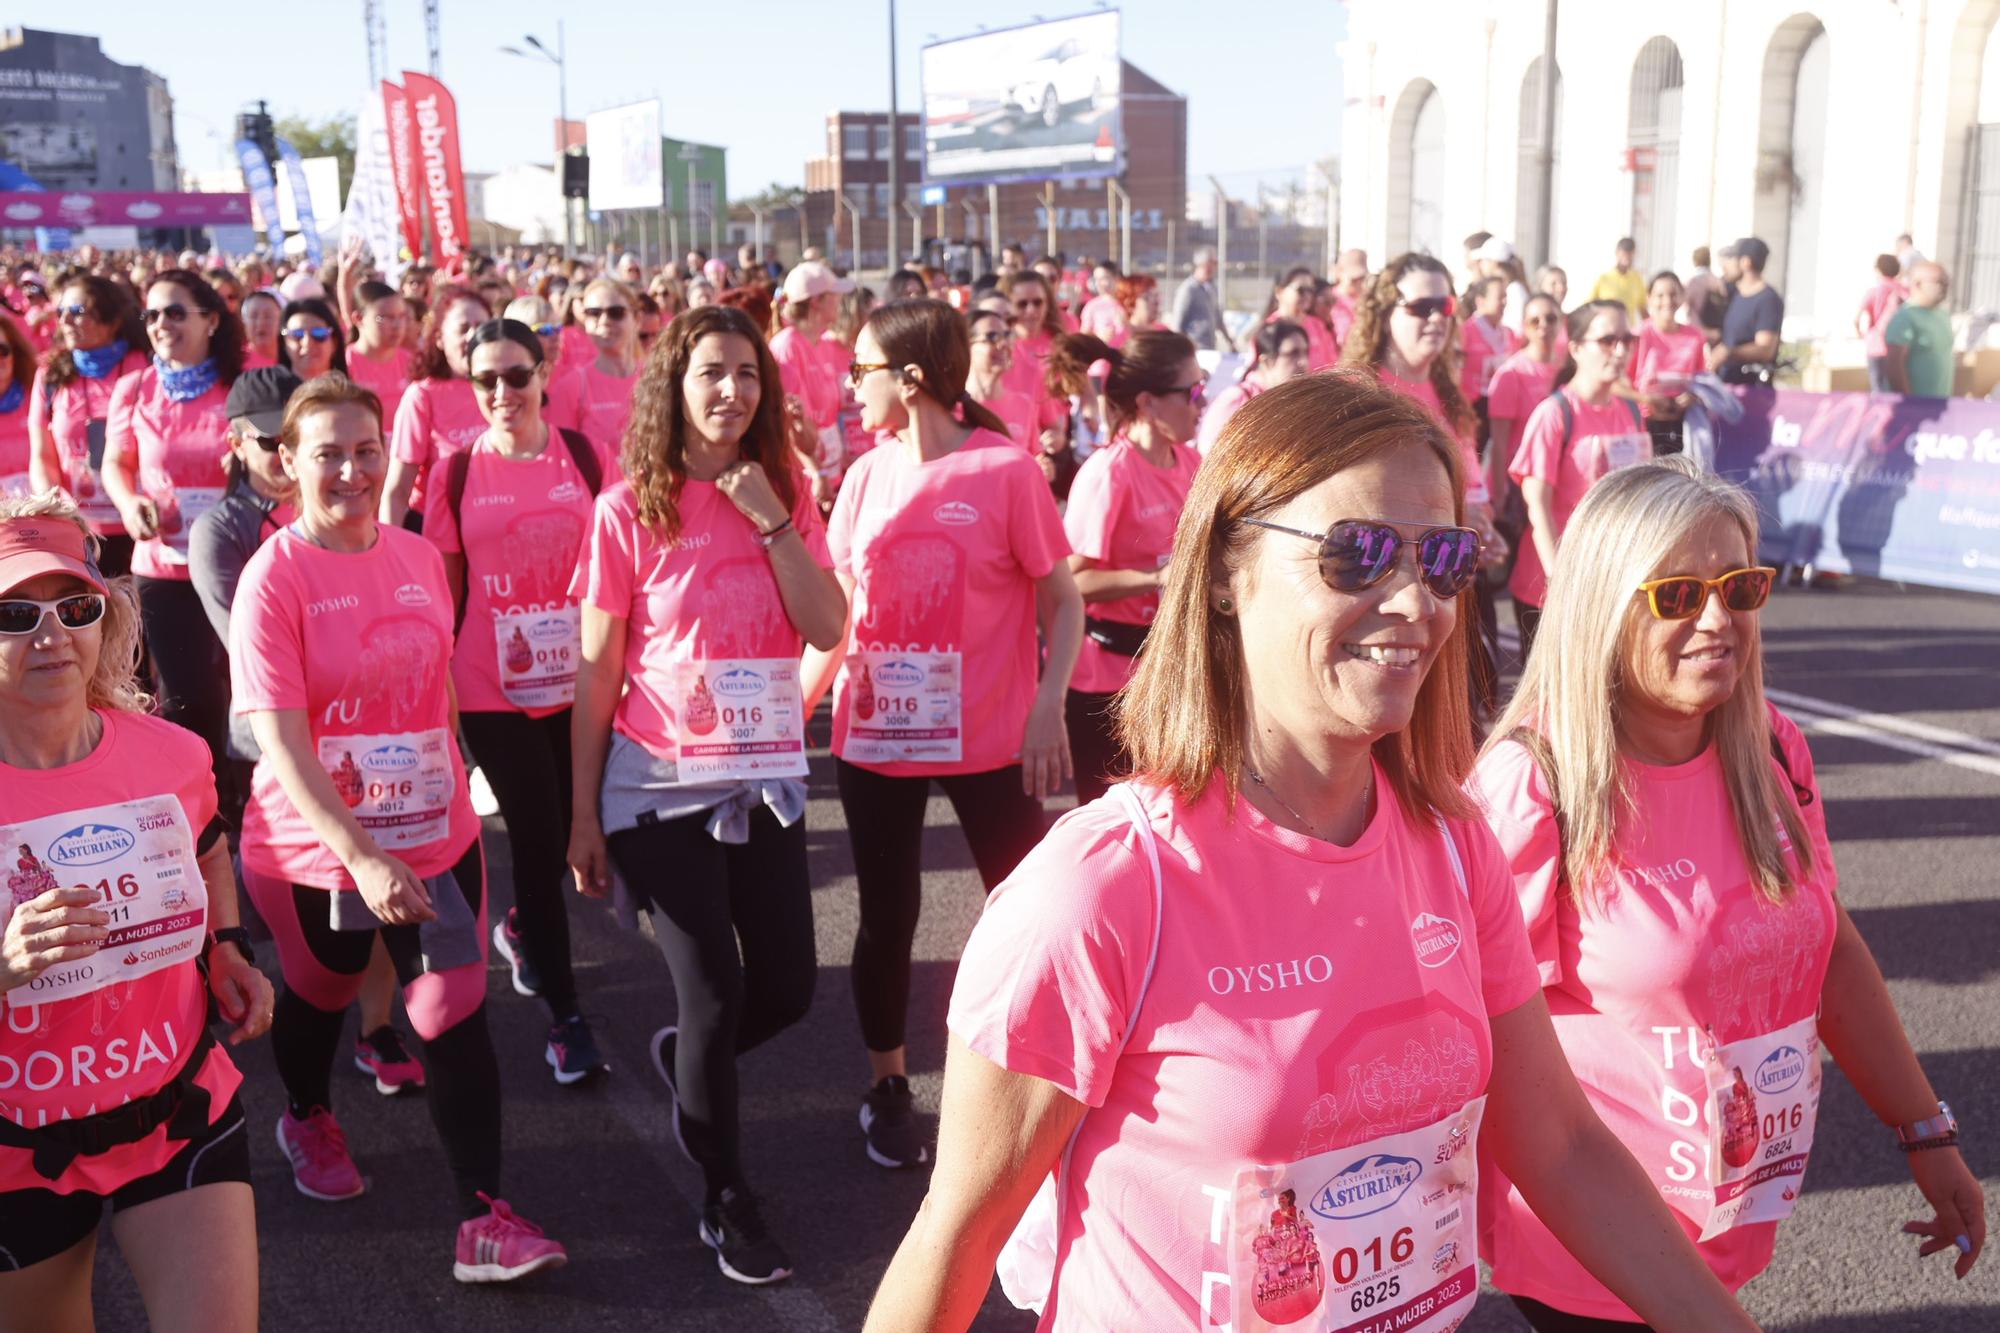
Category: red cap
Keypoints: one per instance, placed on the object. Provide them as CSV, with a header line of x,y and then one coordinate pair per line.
x,y
31,547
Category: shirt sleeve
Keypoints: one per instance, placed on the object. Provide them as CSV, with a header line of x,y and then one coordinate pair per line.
x,y
1770,314
440,524
806,518
1521,817
1812,808
1047,981
840,525
214,566
1092,511
1540,454
410,437
1509,975
1034,528
1503,395
605,575
1902,329
119,437
267,652
564,410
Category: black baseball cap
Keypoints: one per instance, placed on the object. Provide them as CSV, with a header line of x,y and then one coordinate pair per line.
x,y
259,396
1752,249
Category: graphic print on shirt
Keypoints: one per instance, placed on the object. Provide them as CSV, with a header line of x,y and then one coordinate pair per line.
x,y
398,782
905,669
537,630
1406,1064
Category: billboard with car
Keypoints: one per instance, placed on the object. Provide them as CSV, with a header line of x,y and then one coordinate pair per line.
x,y
1038,102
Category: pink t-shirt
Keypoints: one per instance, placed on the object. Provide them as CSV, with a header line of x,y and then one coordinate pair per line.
x,y
1102,317
361,643
577,348
1681,949
179,448
1321,349
1424,392
1882,301
1605,437
69,412
65,1059
256,358
1301,1002
811,368
1516,389
1222,407
435,418
1018,413
14,445
711,596
944,556
1666,363
1122,512
389,379
596,404
1342,320
1028,376
523,525
1485,347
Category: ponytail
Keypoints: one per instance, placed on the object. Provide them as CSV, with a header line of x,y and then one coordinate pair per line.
x,y
975,413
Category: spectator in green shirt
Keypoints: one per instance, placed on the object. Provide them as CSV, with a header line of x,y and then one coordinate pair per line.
x,y
1918,338
1622,282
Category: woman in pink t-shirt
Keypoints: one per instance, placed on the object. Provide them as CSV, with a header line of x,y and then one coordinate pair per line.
x,y
509,515
1517,388
1484,341
359,825
1120,521
1669,847
1103,317
1285,957
596,397
164,444
262,315
1580,432
1282,353
1037,324
809,367
17,376
104,340
949,548
378,359
1293,299
992,342
705,574
111,1088
310,343
1668,357
438,414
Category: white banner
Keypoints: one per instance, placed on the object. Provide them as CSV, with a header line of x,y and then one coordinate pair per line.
x,y
625,166
369,222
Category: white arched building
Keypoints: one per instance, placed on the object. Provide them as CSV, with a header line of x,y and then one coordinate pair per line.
x,y
1825,129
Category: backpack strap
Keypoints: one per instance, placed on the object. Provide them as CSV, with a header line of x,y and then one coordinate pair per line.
x,y
457,468
1638,420
1568,416
1803,794
589,463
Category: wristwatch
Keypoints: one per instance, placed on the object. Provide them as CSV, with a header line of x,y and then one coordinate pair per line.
x,y
235,935
1939,1131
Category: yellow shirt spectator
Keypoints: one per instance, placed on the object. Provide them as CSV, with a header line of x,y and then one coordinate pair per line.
x,y
1624,285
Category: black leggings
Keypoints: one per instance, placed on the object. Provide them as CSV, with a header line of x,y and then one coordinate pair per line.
x,y
526,763
1547,1319
1093,744
463,1075
885,825
707,899
191,671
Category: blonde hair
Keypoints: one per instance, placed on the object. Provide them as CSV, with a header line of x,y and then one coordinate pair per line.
x,y
115,683
1181,715
1571,687
530,310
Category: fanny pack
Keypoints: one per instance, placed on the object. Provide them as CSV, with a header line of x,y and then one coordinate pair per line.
x,y
1116,636
182,1106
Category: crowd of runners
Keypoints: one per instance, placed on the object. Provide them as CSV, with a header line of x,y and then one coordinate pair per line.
x,y
1353,967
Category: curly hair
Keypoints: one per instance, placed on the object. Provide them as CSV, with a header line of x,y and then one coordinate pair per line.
x,y
1368,340
115,683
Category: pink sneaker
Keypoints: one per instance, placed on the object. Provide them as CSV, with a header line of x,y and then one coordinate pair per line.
x,y
384,1056
317,1151
502,1246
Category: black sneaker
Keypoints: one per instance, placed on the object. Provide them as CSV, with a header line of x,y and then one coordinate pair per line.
x,y
665,1043
572,1053
889,1125
744,1250
507,939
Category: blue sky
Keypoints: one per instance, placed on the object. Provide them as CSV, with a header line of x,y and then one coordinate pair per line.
x,y
756,75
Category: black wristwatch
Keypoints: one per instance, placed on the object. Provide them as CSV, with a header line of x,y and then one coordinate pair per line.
x,y
235,935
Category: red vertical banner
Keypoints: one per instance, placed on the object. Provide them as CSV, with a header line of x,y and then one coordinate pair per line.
x,y
436,116
403,159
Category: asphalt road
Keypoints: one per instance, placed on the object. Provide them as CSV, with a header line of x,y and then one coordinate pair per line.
x,y
1916,832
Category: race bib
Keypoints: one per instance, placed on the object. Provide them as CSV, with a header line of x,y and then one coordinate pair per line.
x,y
1763,1103
177,516
906,708
399,786
538,653
1369,1238
17,486
739,718
84,487
832,446
139,858
1616,451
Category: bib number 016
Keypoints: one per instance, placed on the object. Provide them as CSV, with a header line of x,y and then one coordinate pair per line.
x,y
1346,1261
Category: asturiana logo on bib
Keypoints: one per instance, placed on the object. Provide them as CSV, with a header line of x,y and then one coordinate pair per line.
x,y
413,594
390,759
957,513
1435,938
91,845
1375,1182
1781,1069
549,629
739,683
899,675
565,491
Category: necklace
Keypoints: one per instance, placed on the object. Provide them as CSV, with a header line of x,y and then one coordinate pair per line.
x,y
1258,778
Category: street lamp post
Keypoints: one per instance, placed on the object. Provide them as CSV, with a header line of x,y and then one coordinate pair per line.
x,y
559,59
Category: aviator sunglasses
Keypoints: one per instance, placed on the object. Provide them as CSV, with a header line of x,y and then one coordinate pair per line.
x,y
1357,553
22,615
1682,596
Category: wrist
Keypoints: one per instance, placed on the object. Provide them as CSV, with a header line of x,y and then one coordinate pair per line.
x,y
235,935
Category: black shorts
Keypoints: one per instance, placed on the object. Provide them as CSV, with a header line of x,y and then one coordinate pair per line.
x,y
37,1224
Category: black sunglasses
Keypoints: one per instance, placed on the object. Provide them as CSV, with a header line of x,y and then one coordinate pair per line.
x,y
174,313
614,313
1424,307
21,615
1358,553
268,443
514,377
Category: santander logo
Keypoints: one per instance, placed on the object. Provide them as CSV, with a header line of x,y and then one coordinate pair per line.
x,y
1436,939
957,513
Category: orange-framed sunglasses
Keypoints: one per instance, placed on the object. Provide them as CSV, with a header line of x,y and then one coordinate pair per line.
x,y
1682,596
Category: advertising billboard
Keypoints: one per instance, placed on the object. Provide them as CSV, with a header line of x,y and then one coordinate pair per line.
x,y
1037,102
625,165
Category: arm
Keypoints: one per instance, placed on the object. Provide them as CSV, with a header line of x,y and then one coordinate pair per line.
x,y
999,1136
1497,459
215,567
1045,759
821,665
599,679
1859,1024
1587,1189
1896,366
242,993
1098,584
45,470
391,889
1540,499
120,473
396,491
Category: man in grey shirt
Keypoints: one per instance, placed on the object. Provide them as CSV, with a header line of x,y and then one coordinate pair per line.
x,y
1197,310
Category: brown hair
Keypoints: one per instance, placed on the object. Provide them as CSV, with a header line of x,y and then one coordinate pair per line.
x,y
654,453
109,304
931,336
1051,317
330,390
1181,715
20,352
1149,362
1132,287
432,363
1368,339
